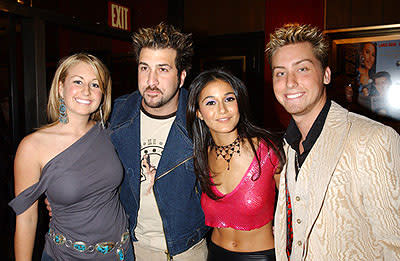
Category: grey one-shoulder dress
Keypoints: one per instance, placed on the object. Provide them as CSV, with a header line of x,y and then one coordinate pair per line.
x,y
81,184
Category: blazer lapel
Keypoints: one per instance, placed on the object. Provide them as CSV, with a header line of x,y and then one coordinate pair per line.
x,y
321,163
280,214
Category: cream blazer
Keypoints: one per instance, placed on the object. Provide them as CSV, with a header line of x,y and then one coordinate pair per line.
x,y
346,200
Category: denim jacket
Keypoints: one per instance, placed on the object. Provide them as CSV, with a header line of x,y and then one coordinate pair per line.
x,y
175,188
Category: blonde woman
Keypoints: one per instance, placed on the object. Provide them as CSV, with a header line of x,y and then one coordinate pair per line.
x,y
73,162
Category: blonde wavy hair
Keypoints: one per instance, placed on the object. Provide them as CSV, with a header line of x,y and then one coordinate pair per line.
x,y
102,74
296,33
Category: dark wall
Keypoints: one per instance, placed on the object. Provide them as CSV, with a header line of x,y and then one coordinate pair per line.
x,y
356,13
143,13
221,17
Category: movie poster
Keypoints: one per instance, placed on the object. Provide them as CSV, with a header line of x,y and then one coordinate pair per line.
x,y
372,70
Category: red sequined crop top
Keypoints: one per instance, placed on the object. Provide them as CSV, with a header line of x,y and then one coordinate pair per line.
x,y
251,204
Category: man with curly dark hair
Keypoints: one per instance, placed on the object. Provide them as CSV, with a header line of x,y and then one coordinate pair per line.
x,y
148,128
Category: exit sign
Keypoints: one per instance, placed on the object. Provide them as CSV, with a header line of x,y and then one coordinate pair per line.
x,y
119,16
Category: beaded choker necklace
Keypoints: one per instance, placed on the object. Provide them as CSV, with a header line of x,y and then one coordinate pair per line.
x,y
227,151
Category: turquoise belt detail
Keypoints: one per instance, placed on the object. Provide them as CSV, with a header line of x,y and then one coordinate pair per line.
x,y
101,247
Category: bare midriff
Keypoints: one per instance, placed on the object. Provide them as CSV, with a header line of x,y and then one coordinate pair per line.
x,y
244,241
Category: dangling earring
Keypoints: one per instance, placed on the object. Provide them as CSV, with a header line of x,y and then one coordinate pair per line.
x,y
62,111
101,117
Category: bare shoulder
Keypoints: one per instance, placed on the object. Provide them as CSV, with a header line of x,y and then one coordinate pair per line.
x,y
36,147
35,140
33,153
26,163
256,141
29,145
246,147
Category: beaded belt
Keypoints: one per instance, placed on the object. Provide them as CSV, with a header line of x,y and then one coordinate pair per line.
x,y
101,247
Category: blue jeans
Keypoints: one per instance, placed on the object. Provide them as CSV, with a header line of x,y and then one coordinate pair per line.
x,y
128,256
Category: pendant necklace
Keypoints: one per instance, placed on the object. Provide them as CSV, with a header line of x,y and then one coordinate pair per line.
x,y
227,151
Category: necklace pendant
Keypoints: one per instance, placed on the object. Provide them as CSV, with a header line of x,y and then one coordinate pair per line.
x,y
227,151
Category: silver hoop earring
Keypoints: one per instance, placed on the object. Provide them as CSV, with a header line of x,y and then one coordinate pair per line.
x,y
101,117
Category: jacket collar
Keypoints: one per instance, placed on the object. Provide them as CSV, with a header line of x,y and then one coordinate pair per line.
x,y
323,158
130,109
319,167
293,135
182,105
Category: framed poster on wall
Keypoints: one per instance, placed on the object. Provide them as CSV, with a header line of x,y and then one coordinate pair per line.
x,y
365,64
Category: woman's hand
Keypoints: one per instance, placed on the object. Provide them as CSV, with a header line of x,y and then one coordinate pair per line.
x,y
48,207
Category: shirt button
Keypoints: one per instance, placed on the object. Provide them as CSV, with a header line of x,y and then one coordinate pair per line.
x,y
298,221
297,198
299,243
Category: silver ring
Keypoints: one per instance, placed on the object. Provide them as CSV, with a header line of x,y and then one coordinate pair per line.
x,y
68,243
90,249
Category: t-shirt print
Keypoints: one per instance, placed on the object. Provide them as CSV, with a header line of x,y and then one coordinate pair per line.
x,y
151,153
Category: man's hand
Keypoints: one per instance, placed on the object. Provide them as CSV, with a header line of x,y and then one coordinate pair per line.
x,y
48,207
348,91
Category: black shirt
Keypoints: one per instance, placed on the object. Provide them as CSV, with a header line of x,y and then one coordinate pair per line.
x,y
293,136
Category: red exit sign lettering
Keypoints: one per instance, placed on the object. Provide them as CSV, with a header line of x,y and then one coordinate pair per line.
x,y
119,16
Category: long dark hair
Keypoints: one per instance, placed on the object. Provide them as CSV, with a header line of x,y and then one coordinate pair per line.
x,y
201,135
360,61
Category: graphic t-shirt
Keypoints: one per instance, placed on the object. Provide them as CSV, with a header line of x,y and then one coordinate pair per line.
x,y
153,135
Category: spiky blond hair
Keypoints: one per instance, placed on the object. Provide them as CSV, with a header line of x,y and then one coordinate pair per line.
x,y
296,33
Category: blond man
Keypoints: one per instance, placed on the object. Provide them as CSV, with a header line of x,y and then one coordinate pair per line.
x,y
339,193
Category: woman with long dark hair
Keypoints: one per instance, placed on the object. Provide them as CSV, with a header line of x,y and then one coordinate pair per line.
x,y
236,163
366,65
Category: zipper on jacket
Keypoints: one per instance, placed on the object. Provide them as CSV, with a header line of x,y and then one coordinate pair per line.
x,y
169,257
170,170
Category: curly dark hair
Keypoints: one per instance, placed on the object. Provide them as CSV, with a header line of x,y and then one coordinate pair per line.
x,y
201,136
166,36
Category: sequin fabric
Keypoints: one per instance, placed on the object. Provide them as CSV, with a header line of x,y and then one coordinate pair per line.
x,y
251,204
